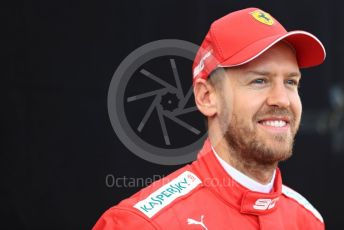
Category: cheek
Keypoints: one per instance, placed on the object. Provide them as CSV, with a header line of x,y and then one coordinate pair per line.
x,y
248,104
296,106
245,110
223,111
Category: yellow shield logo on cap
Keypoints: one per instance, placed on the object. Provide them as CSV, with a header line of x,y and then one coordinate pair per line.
x,y
263,17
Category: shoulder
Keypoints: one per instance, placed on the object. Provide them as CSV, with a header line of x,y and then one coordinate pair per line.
x,y
122,218
301,201
155,199
165,192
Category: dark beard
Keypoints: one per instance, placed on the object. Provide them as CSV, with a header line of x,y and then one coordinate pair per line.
x,y
247,148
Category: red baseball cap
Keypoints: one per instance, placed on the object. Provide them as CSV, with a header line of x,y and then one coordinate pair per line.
x,y
241,36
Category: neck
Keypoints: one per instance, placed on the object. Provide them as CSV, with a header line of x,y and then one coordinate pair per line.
x,y
261,173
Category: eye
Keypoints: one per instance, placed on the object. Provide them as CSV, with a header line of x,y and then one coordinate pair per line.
x,y
292,82
259,81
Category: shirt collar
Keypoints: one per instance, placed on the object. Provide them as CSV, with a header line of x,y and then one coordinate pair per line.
x,y
243,179
215,178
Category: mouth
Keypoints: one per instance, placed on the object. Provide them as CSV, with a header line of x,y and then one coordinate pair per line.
x,y
275,124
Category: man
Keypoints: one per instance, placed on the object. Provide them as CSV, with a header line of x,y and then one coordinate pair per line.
x,y
246,77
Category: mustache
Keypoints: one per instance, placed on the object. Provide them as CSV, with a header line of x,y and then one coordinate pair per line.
x,y
274,112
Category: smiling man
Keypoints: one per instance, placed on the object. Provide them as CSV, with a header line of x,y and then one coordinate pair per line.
x,y
246,78
254,112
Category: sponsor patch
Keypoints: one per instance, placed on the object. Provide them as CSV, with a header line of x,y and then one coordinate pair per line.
x,y
265,204
263,17
181,185
302,201
200,66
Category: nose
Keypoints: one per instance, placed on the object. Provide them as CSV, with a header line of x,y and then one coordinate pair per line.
x,y
278,96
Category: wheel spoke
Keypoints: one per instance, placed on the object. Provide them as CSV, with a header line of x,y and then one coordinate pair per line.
x,y
158,80
186,98
184,111
176,78
147,115
183,124
144,95
163,127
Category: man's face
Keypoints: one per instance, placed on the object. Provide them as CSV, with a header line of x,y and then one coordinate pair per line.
x,y
260,108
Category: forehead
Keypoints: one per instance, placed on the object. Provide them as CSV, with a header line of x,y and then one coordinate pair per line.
x,y
280,55
279,59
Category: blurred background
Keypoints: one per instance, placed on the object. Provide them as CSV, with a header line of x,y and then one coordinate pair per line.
x,y
61,159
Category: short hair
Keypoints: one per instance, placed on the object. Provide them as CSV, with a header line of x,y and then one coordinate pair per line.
x,y
216,78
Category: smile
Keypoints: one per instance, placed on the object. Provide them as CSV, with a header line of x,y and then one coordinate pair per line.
x,y
276,123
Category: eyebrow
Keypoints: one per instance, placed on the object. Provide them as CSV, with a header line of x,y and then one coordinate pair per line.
x,y
267,73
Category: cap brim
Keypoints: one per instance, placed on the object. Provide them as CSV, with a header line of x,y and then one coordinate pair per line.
x,y
309,50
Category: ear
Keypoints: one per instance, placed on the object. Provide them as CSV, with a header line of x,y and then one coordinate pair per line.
x,y
205,97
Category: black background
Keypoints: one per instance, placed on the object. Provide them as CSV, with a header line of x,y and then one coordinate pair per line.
x,y
58,145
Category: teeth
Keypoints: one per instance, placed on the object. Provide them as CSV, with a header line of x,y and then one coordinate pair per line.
x,y
278,123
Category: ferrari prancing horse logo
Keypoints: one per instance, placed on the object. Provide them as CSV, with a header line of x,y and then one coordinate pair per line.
x,y
262,17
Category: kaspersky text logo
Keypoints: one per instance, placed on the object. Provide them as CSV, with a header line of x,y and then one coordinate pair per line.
x,y
159,199
180,186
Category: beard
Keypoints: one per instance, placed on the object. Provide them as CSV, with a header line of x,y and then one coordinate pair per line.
x,y
250,146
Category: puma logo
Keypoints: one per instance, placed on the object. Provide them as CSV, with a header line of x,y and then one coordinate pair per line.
x,y
192,221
